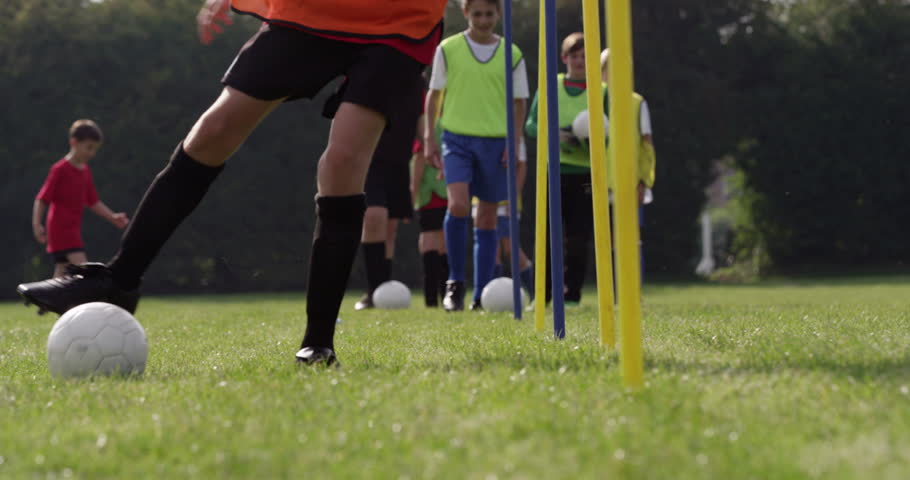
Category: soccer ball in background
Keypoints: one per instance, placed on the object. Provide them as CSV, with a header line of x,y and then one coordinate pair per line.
x,y
580,125
96,339
392,295
497,296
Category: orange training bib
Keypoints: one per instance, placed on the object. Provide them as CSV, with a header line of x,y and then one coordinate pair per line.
x,y
411,19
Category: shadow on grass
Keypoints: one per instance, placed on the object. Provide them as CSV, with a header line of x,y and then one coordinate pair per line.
x,y
824,279
594,359
883,369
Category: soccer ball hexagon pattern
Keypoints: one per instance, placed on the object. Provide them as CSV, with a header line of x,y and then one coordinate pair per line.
x,y
96,339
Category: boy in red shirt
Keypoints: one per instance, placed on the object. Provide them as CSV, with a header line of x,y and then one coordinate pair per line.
x,y
68,190
380,47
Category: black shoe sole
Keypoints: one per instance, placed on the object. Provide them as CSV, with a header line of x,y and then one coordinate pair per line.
x,y
42,309
322,362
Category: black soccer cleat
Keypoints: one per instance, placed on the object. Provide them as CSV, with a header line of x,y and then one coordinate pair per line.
x,y
476,306
317,356
88,282
454,299
365,302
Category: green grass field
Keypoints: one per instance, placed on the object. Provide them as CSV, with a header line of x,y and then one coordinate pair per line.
x,y
771,381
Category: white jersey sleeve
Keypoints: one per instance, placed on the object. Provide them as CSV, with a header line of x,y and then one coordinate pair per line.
x,y
645,119
438,78
520,80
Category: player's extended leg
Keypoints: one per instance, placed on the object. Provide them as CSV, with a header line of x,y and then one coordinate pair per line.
x,y
375,227
340,206
171,197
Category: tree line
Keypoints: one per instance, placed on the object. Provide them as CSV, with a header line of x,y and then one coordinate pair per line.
x,y
803,99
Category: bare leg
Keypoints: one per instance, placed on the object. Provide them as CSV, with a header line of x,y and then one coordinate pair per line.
x,y
375,221
221,130
179,188
430,241
459,199
352,140
486,216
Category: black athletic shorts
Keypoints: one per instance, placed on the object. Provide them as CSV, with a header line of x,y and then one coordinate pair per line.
x,y
281,62
60,255
389,177
389,185
431,219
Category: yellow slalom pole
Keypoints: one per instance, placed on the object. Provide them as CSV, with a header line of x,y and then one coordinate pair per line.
x,y
625,206
540,214
602,241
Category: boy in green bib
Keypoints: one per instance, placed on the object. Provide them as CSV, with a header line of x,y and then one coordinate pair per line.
x,y
575,168
469,66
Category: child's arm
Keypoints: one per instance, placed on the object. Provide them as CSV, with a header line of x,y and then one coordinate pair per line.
x,y
647,158
417,162
38,221
521,174
519,106
531,123
430,147
212,13
119,219
417,174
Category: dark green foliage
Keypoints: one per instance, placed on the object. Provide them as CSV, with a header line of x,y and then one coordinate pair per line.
x,y
137,69
816,98
826,163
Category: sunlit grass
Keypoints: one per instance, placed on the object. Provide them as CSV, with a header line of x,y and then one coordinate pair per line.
x,y
777,380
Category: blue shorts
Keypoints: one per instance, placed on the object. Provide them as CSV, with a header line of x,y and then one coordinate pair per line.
x,y
476,161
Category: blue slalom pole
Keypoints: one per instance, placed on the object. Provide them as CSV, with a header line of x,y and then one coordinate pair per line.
x,y
510,153
556,267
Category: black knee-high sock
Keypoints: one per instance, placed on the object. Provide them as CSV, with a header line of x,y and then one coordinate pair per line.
x,y
431,278
375,262
339,221
171,197
443,271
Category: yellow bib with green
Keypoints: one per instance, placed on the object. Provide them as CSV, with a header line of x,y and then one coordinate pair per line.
x,y
475,100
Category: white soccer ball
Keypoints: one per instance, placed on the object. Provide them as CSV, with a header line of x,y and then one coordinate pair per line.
x,y
96,339
392,295
580,125
497,296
